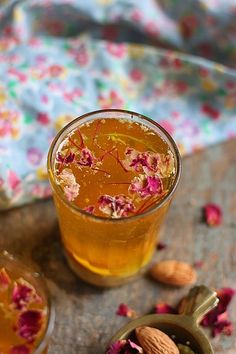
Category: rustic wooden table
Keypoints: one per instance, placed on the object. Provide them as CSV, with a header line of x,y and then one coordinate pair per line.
x,y
85,316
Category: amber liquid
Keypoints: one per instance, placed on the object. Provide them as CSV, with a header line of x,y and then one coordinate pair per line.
x,y
9,313
101,250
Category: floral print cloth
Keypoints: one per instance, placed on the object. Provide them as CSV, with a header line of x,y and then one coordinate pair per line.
x,y
171,60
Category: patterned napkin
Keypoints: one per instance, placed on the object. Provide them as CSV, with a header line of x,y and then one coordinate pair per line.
x,y
62,58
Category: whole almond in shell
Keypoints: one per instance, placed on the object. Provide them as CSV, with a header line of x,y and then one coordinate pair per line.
x,y
154,341
174,273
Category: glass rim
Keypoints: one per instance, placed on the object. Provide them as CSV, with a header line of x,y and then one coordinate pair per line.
x,y
122,219
42,345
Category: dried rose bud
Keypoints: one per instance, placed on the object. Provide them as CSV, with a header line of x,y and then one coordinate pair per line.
x,y
213,214
163,308
125,311
161,246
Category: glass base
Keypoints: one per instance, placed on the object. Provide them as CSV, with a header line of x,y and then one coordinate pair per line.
x,y
96,279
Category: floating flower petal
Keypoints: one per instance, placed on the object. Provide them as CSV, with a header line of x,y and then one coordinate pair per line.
x,y
72,192
149,162
146,186
29,324
213,214
90,209
86,158
23,293
117,206
71,187
19,349
67,177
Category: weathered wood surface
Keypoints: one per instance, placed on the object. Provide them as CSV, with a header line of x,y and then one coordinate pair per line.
x,y
85,316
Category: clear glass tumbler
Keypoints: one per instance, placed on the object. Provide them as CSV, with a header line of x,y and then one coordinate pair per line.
x,y
105,251
26,311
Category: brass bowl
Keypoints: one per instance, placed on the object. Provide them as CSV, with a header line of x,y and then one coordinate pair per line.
x,y
182,328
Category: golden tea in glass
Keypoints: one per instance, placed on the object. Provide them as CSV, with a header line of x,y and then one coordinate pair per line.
x,y
113,174
26,316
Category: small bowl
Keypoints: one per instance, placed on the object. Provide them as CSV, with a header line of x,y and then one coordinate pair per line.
x,y
182,328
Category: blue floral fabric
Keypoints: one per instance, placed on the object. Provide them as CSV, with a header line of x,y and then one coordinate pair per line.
x,y
171,60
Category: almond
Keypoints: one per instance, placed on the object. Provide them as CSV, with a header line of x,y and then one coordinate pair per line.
x,y
154,341
174,273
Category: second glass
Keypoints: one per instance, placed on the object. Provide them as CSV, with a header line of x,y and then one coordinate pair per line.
x,y
103,250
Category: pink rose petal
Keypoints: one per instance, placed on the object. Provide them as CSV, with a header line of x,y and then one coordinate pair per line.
x,y
90,209
117,206
218,319
72,192
24,293
20,349
86,158
115,348
29,324
124,347
146,186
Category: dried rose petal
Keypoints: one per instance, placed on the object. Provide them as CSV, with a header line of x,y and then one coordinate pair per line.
x,y
19,349
198,264
67,177
115,348
65,159
69,158
125,311
225,295
217,318
71,187
141,161
59,157
29,324
90,209
167,164
117,206
146,186
124,347
213,214
86,158
23,293
224,327
71,192
161,246
163,308
149,162
5,280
